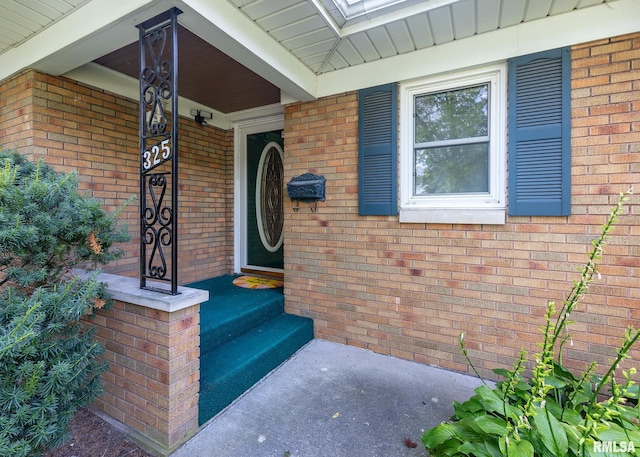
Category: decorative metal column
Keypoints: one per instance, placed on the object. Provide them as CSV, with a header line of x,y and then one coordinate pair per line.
x,y
159,152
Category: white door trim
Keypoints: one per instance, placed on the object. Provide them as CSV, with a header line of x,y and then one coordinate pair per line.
x,y
241,130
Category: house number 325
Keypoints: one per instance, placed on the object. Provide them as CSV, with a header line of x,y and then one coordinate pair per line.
x,y
157,153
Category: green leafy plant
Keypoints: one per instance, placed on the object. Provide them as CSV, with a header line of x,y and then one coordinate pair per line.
x,y
49,362
554,413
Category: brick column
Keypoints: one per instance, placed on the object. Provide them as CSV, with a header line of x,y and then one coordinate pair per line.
x,y
152,343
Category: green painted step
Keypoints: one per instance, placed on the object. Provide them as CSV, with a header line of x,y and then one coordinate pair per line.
x,y
232,311
234,367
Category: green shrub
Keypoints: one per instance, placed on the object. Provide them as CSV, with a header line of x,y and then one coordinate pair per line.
x,y
555,412
49,362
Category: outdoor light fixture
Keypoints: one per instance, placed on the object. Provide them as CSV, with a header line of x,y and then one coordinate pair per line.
x,y
201,116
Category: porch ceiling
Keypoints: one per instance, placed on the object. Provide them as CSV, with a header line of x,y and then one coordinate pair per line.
x,y
240,54
204,71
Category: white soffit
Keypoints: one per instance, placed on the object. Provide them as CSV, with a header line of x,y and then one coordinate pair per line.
x,y
321,35
21,19
76,36
302,46
328,35
580,26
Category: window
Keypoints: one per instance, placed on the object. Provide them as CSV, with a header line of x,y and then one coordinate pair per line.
x,y
453,136
346,12
453,144
451,141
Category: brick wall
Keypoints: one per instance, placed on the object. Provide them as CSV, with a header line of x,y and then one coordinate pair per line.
x,y
153,380
409,290
75,127
401,289
16,112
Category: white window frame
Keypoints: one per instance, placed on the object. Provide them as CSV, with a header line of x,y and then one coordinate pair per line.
x,y
485,208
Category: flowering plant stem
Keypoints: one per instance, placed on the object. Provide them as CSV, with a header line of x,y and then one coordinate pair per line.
x,y
554,413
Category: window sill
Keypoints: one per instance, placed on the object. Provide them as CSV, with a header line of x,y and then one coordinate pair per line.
x,y
453,216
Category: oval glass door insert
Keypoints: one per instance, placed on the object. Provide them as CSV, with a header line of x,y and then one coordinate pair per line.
x,y
269,197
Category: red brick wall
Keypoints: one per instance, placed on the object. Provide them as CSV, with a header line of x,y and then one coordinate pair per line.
x,y
401,289
16,112
409,290
75,127
153,380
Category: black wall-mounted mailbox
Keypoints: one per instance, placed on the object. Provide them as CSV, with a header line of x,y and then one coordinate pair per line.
x,y
308,188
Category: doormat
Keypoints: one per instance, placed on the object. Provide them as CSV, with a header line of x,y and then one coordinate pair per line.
x,y
256,282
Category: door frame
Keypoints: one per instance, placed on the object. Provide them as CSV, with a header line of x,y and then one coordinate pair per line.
x,y
240,132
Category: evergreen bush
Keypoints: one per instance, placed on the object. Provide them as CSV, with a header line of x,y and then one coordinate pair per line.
x,y
49,362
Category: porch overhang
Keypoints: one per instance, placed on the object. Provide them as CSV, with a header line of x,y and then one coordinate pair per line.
x,y
299,47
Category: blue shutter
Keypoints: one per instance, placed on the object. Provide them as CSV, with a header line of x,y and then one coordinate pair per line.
x,y
378,150
540,134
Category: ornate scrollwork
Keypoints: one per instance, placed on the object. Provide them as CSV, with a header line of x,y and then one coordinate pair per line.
x,y
271,198
157,222
159,151
155,79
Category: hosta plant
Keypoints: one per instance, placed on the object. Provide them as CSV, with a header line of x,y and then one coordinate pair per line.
x,y
49,363
553,412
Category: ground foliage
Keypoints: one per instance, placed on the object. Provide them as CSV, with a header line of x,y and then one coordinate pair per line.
x,y
49,362
555,412
90,436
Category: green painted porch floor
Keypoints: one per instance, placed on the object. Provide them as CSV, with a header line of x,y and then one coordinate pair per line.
x,y
244,334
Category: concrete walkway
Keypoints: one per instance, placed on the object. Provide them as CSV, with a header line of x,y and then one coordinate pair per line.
x,y
332,400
